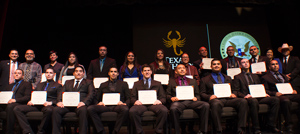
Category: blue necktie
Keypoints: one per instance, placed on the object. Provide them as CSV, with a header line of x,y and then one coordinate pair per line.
x,y
46,86
15,89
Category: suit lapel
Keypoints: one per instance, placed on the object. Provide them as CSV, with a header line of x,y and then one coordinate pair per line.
x,y
244,80
81,84
212,79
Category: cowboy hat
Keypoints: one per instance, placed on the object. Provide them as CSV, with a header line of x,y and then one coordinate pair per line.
x,y
285,46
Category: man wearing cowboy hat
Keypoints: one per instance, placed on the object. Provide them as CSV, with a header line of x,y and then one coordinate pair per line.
x,y
290,66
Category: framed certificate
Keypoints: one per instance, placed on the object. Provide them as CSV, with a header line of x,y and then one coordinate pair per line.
x,y
66,77
207,63
99,80
163,78
5,96
38,97
233,71
185,92
111,98
70,99
147,97
284,88
258,67
45,79
130,81
257,90
222,90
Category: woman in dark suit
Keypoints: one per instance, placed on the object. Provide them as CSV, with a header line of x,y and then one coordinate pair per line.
x,y
160,65
130,67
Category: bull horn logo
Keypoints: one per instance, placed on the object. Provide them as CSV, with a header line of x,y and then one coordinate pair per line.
x,y
174,42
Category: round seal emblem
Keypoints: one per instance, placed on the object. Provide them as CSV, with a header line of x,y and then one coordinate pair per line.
x,y
241,42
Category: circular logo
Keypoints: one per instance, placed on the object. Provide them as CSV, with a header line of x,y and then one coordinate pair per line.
x,y
241,42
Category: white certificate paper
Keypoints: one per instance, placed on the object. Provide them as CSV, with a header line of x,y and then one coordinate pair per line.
x,y
111,98
38,97
257,90
66,77
163,78
99,80
189,76
130,81
185,92
233,71
5,96
284,88
45,79
258,67
222,90
147,96
70,99
207,63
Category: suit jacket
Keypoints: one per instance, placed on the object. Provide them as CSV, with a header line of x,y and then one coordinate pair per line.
x,y
171,90
94,68
206,86
225,62
269,82
260,59
240,84
4,73
121,87
86,89
155,85
292,67
52,90
23,92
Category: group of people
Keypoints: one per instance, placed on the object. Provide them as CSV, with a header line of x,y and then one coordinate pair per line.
x,y
23,78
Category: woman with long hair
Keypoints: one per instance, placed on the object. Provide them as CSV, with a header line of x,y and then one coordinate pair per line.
x,y
130,67
160,65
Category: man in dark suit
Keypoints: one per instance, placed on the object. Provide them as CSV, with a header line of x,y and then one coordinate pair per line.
x,y
290,66
99,67
240,87
137,110
177,106
7,69
113,85
198,63
216,104
257,58
230,61
52,88
86,89
270,80
21,95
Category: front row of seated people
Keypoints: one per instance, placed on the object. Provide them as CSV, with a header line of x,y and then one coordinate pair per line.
x,y
130,108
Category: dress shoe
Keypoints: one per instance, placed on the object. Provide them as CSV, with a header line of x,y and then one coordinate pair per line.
x,y
257,131
274,130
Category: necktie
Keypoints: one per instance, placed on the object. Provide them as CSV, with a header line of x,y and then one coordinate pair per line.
x,y
254,60
278,78
182,82
147,84
45,89
249,78
219,79
15,89
76,85
101,65
12,79
284,64
27,73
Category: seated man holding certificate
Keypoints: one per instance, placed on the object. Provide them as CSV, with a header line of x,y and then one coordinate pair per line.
x,y
207,93
113,95
184,94
241,84
76,95
50,90
147,94
271,81
20,95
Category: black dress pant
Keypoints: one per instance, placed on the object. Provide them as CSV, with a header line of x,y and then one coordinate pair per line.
x,y
20,113
137,111
201,108
58,113
272,102
286,104
95,111
240,105
10,116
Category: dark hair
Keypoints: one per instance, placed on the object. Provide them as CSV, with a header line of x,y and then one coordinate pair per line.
x,y
184,53
268,50
52,52
50,68
146,65
113,67
178,65
125,64
165,63
67,62
215,59
21,71
80,66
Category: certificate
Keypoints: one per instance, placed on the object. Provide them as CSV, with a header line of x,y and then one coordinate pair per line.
x,y
99,80
38,97
130,81
185,92
163,78
111,98
258,67
147,96
45,79
207,63
233,71
5,96
284,88
70,99
222,90
66,77
189,76
257,90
